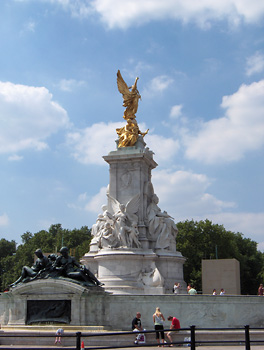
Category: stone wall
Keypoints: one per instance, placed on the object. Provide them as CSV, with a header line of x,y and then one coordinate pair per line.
x,y
115,312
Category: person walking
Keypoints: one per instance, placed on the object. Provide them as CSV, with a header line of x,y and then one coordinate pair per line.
x,y
158,320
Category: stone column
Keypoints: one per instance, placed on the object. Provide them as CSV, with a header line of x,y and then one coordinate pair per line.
x,y
130,174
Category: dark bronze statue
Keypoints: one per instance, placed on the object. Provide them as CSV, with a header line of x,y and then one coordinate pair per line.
x,y
30,273
67,266
63,266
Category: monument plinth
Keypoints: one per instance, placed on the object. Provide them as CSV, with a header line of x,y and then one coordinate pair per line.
x,y
133,249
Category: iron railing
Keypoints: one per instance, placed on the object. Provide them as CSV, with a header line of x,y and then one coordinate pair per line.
x,y
189,341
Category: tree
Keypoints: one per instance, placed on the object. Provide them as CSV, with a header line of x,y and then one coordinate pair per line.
x,y
205,240
7,249
77,240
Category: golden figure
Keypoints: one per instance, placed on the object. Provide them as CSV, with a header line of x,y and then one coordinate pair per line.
x,y
130,98
128,135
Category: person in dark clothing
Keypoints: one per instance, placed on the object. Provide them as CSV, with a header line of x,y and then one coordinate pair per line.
x,y
137,327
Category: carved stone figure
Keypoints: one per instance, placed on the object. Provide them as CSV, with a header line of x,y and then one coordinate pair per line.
x,y
161,226
151,277
42,264
123,217
133,234
109,238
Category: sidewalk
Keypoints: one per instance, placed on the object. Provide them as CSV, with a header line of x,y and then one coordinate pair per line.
x,y
219,347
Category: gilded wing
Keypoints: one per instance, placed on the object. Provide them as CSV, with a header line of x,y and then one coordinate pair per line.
x,y
121,84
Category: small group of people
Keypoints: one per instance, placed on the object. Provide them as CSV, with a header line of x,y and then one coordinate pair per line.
x,y
158,320
222,291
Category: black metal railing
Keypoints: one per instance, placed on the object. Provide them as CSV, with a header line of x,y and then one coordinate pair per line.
x,y
191,333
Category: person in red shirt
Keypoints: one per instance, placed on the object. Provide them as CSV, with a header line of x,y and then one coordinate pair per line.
x,y
175,324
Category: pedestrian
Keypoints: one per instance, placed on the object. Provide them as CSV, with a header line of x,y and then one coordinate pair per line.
x,y
176,288
260,290
175,324
214,292
59,333
222,291
158,320
192,291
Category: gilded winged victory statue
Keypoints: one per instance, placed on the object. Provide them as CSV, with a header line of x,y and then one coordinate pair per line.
x,y
128,135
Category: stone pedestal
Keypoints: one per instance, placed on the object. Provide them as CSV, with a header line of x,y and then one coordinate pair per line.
x,y
133,250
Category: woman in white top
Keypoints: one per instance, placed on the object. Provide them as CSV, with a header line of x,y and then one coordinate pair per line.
x,y
176,288
158,320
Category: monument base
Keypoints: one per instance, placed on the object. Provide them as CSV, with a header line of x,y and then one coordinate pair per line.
x,y
136,271
93,307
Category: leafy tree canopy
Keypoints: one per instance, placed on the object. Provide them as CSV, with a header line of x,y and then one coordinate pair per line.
x,y
195,240
205,240
77,240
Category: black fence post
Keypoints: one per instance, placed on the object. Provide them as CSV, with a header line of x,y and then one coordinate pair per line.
x,y
192,337
247,338
78,340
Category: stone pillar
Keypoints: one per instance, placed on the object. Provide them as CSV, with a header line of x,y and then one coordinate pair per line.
x,y
130,174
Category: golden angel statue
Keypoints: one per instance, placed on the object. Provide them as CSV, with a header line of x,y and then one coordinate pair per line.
x,y
130,96
128,135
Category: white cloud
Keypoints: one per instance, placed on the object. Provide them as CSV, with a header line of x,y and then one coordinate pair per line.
x,y
96,203
4,220
157,85
184,194
241,129
123,14
15,158
176,111
255,64
70,84
28,116
90,144
164,148
250,224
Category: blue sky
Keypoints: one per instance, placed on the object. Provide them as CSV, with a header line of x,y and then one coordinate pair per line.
x,y
201,77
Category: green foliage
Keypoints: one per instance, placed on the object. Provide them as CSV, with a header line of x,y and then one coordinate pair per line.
x,y
12,260
204,240
195,240
7,249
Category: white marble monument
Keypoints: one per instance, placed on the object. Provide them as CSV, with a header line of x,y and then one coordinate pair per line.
x,y
133,249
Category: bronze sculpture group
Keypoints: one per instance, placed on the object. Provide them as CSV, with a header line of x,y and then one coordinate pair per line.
x,y
53,266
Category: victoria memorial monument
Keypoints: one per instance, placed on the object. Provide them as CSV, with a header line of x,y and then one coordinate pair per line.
x,y
133,248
